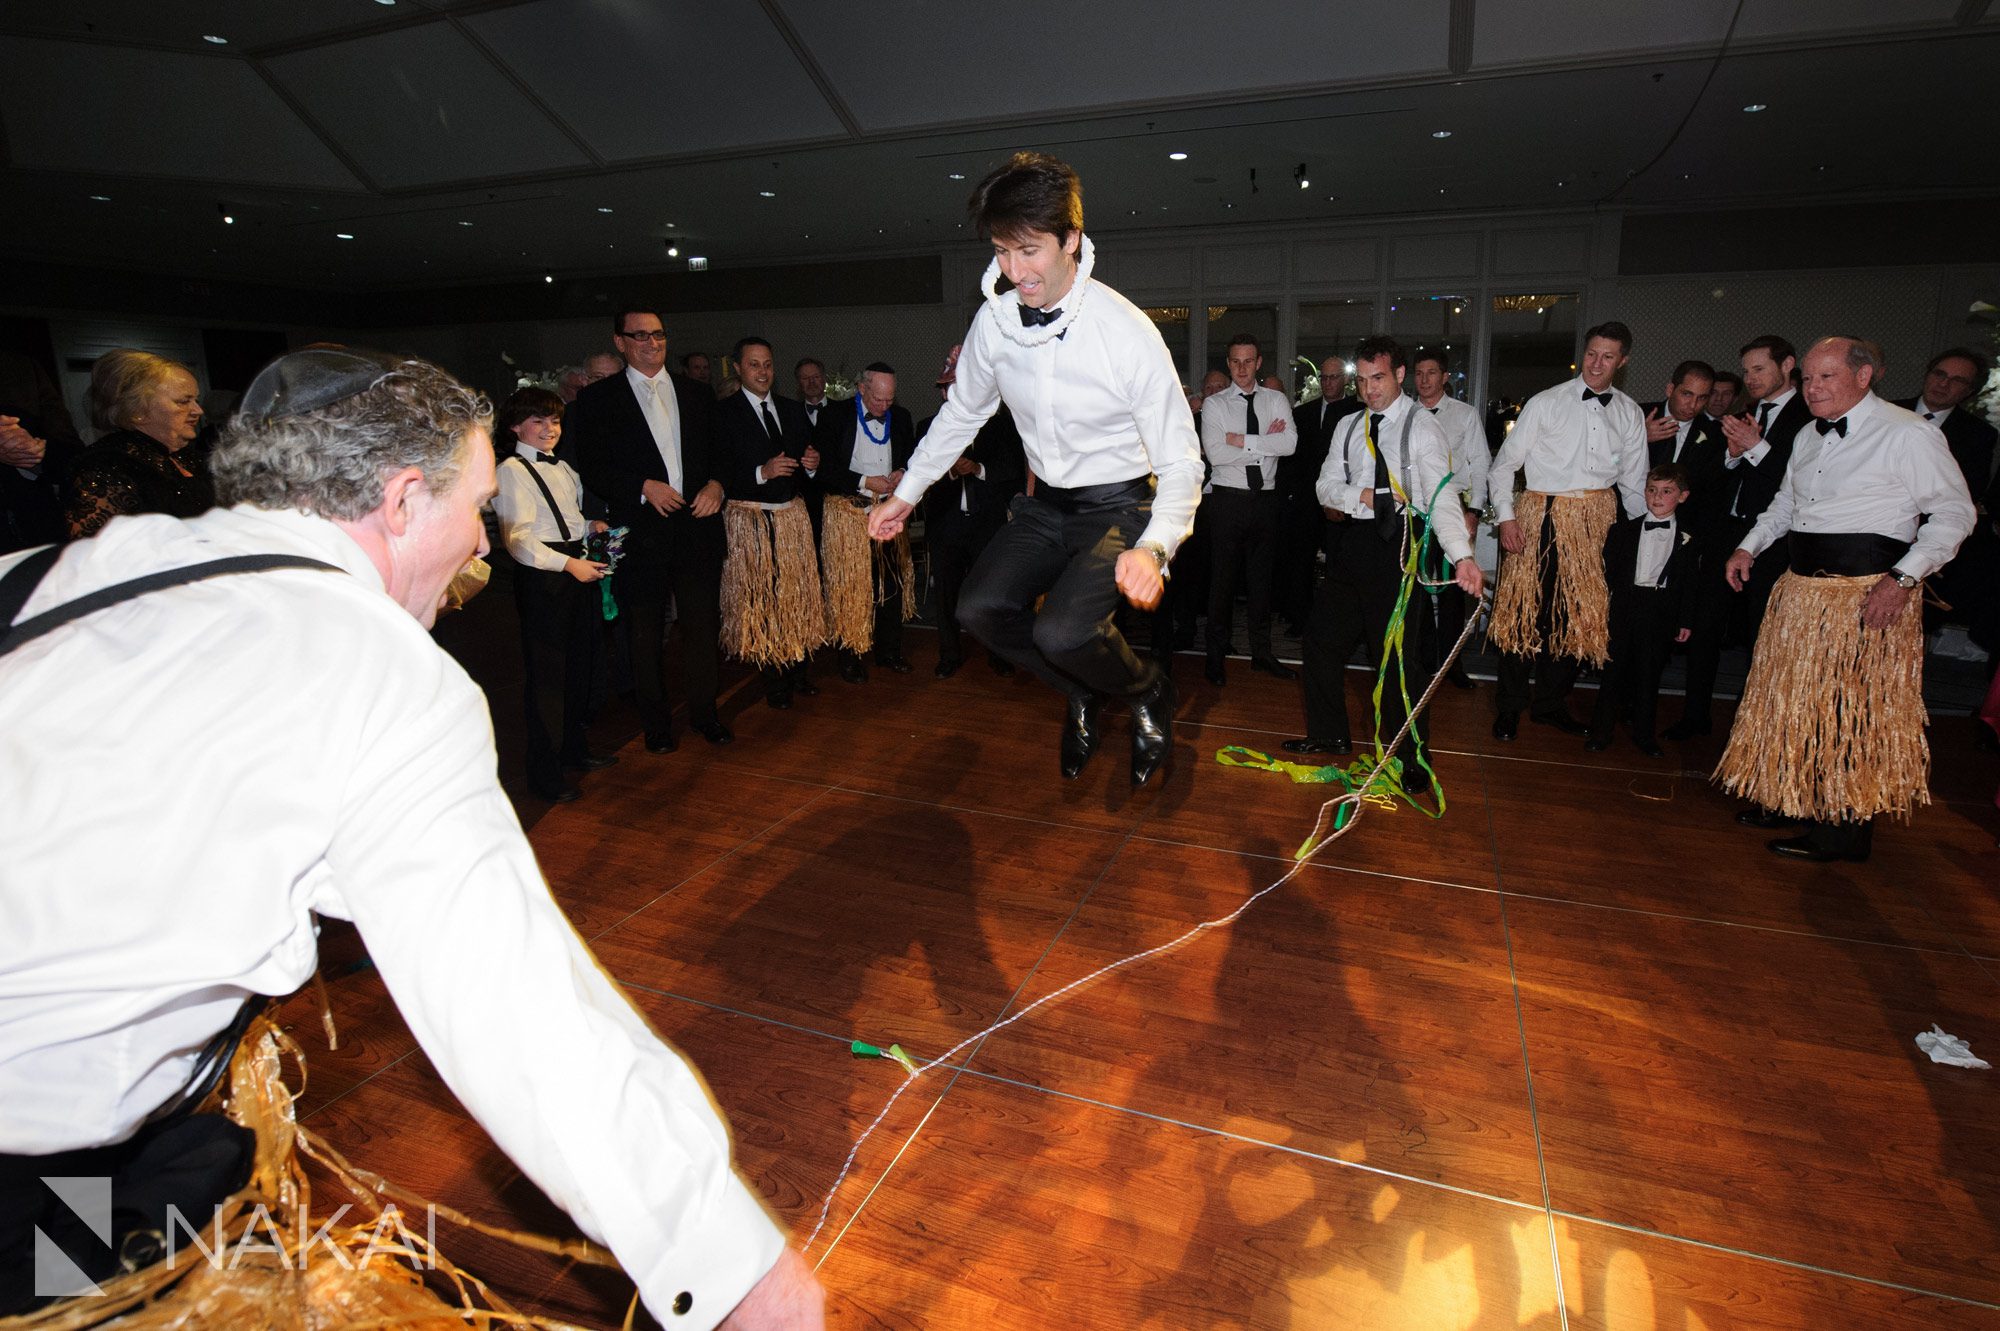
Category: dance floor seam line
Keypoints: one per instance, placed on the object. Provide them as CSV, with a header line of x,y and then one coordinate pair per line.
x,y
971,808
1527,1062
320,1109
1338,868
1788,1262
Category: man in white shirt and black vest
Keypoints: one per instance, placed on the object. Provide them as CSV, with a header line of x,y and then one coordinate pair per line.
x,y
1830,731
1246,430
1552,614
1094,393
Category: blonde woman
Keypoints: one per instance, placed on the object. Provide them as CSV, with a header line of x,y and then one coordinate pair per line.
x,y
152,408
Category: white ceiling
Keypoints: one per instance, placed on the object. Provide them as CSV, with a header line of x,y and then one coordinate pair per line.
x,y
401,123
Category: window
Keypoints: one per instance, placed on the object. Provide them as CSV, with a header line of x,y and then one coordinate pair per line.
x,y
1260,322
1534,347
1436,323
1332,328
1172,321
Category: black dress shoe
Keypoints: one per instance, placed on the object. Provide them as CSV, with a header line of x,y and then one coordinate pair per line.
x,y
1562,721
1597,744
781,702
1805,848
1080,734
946,669
712,731
1311,745
1758,816
895,663
854,672
1506,725
1152,730
1271,665
1650,748
1416,781
1213,671
660,741
1460,680
805,688
563,794
591,762
1686,729
1001,666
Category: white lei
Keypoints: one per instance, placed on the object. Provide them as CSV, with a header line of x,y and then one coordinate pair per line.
x,y
1005,307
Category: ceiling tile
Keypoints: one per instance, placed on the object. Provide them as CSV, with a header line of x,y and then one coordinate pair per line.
x,y
661,78
422,106
1809,18
1036,57
119,110
1517,32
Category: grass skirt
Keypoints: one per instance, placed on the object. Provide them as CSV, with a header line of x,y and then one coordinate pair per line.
x,y
1580,619
860,573
772,611
1832,721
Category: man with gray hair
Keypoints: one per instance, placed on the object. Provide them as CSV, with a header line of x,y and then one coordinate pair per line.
x,y
251,698
1830,732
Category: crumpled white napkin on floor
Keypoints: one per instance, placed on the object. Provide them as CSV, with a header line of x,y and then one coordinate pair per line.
x,y
1944,1047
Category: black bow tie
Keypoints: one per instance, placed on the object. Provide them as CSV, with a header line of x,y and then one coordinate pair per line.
x,y
1603,399
547,459
1659,526
873,417
1034,318
1834,427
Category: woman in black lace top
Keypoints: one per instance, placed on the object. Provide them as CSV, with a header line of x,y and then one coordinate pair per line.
x,y
152,407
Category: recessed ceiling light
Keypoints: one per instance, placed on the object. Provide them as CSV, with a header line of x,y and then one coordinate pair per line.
x,y
548,277
673,251
671,225
767,194
956,175
219,41
101,198
465,224
228,220
1755,107
343,235
1304,183
1176,157
603,210
1440,133
385,2
1440,189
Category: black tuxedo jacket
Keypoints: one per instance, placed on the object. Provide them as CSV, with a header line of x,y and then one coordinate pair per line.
x,y
31,510
1702,457
1298,475
614,451
1670,609
1749,489
1972,441
836,446
955,503
747,445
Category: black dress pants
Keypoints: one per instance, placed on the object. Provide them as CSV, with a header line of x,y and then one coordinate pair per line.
x,y
1554,676
678,557
1063,545
1630,689
1723,615
1301,532
956,544
1352,609
560,633
1243,538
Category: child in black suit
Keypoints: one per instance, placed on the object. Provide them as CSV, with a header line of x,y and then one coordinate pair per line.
x,y
539,502
1649,565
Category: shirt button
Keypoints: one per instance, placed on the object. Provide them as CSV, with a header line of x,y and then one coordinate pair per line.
x,y
682,1302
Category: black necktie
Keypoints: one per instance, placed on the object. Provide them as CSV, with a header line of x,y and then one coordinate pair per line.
x,y
1658,526
1834,427
771,423
1603,399
1034,318
1385,498
1930,415
1764,416
1253,475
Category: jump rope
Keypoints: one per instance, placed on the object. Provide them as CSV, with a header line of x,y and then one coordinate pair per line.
x,y
1379,783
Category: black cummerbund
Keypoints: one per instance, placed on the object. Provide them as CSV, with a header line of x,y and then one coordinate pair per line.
x,y
1107,498
1844,554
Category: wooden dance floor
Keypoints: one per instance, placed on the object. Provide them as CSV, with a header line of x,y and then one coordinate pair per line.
x,y
1580,1054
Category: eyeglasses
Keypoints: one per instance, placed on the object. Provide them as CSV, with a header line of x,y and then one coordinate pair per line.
x,y
646,335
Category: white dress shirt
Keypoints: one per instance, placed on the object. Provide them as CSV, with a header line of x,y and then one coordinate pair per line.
x,y
1562,444
1224,414
663,417
1765,413
526,524
1935,415
1656,547
1465,438
1094,394
1350,468
185,779
757,405
871,457
1891,469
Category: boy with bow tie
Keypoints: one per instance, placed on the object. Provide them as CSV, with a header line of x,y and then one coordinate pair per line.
x,y
1649,566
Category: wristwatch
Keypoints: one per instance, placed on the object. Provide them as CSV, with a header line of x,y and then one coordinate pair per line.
x,y
1159,554
1905,581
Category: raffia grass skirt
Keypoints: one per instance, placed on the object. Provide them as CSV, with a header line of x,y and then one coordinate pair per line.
x,y
1832,720
860,574
772,611
1580,618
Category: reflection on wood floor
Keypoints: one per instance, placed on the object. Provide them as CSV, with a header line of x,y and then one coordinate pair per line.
x,y
1581,1053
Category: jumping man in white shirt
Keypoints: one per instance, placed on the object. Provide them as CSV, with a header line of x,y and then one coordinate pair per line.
x,y
1094,394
